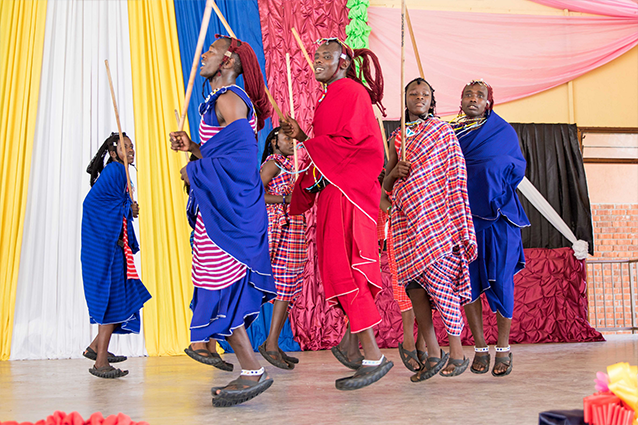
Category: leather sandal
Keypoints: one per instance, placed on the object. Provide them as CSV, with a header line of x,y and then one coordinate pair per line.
x,y
430,370
208,358
240,390
275,358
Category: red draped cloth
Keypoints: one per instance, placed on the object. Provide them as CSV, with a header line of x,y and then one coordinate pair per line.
x,y
347,150
550,306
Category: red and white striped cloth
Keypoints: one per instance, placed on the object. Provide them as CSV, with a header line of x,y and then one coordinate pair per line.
x,y
213,268
131,271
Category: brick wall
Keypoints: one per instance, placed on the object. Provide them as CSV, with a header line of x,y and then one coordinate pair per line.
x,y
609,287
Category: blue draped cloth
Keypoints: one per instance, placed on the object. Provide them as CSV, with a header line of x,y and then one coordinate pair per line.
x,y
495,167
229,193
110,296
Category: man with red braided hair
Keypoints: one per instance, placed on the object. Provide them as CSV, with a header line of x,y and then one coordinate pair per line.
x,y
231,269
347,157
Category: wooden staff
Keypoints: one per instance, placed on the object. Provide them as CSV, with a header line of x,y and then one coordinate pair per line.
x,y
292,112
232,34
403,10
301,46
119,129
196,60
177,118
383,137
416,49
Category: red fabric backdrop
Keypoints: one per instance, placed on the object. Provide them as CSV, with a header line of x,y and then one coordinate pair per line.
x,y
551,306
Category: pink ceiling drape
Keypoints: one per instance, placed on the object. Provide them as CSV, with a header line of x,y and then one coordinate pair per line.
x,y
519,55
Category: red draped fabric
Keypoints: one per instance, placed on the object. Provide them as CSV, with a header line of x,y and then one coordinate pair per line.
x,y
550,306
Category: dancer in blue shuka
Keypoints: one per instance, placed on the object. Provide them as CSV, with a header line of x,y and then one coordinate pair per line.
x,y
495,167
231,269
113,290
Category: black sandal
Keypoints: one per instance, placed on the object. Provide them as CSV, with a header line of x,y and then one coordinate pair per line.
x,y
275,358
343,358
483,360
503,360
428,370
247,389
423,356
90,354
208,358
107,372
364,376
459,367
406,356
287,358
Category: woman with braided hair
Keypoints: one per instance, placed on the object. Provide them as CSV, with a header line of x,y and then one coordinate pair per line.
x,y
495,167
431,224
113,289
231,269
347,156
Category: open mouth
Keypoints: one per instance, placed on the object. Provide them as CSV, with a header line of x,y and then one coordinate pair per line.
x,y
319,69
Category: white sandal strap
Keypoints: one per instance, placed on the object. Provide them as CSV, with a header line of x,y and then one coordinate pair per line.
x,y
481,349
502,349
372,362
245,372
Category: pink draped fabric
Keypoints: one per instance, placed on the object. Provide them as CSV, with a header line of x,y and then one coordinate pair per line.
x,y
519,55
617,8
550,306
74,418
313,19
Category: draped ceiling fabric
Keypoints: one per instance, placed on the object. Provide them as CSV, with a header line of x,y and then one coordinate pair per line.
x,y
314,324
22,26
158,88
519,55
243,18
75,116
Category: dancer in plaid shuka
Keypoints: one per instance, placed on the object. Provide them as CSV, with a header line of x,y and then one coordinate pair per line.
x,y
287,238
432,230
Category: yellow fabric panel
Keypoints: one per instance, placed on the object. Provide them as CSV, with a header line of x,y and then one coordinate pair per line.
x,y
158,89
21,44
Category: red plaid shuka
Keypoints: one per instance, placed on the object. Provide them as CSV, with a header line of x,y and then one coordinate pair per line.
x,y
431,219
398,291
286,234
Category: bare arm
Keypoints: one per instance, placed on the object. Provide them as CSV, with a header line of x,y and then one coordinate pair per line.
x,y
230,108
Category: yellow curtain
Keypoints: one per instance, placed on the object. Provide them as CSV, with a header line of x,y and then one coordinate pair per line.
x,y
158,90
21,45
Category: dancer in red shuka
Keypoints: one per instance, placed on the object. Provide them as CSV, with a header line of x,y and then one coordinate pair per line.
x,y
347,157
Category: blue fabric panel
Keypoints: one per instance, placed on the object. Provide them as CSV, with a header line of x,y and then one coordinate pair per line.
x,y
243,18
258,332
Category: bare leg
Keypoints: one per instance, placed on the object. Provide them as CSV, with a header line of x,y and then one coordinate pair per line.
x,y
369,343
103,340
407,317
474,314
240,344
456,353
423,313
350,345
279,315
504,326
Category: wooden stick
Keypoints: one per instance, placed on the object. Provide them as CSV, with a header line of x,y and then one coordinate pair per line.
x,y
403,10
414,46
292,112
177,118
232,34
196,60
119,129
301,46
383,137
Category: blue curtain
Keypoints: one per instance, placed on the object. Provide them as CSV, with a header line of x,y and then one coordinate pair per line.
x,y
243,18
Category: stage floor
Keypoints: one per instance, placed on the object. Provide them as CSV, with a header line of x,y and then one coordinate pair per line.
x,y
176,390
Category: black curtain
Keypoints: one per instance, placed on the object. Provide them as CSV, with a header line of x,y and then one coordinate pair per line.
x,y
555,168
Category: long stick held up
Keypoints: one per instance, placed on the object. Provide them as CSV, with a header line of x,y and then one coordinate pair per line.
x,y
232,34
119,130
414,46
292,112
198,52
301,46
403,10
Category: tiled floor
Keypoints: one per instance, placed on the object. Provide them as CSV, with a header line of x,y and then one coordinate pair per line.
x,y
176,390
